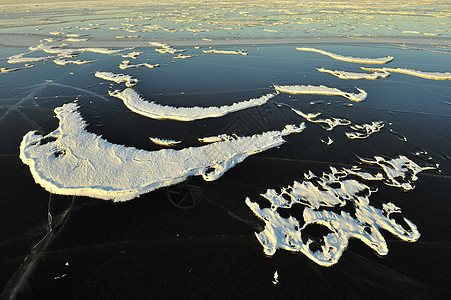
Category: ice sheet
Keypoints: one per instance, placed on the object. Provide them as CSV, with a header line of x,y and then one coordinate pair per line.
x,y
72,161
157,111
320,90
381,60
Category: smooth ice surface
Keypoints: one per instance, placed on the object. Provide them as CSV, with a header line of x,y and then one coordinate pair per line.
x,y
163,142
399,172
328,124
118,78
240,52
315,194
157,111
320,90
380,60
364,130
72,161
428,75
353,75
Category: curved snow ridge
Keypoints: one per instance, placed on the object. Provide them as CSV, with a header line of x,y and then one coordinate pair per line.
x,y
330,123
118,78
428,75
163,142
138,105
399,172
364,130
240,52
380,60
320,90
64,62
72,161
317,194
355,76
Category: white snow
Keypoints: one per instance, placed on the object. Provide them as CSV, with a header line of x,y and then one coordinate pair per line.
x,y
428,75
72,161
329,123
19,59
118,78
320,90
399,172
132,55
126,64
240,52
317,193
353,75
381,60
64,62
163,142
364,130
157,111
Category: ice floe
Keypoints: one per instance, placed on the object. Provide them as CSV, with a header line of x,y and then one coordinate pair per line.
x,y
364,130
320,90
240,52
380,60
399,172
353,75
328,124
140,106
9,70
72,161
317,194
163,142
118,78
428,75
126,64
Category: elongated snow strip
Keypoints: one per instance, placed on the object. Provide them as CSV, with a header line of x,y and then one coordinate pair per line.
x,y
240,52
320,90
353,75
157,111
427,75
380,60
72,161
317,194
163,142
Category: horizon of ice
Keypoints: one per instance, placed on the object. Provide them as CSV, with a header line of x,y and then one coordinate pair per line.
x,y
400,172
427,75
317,194
135,103
380,60
330,122
126,64
320,90
64,62
240,52
72,161
163,142
364,130
354,75
118,78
